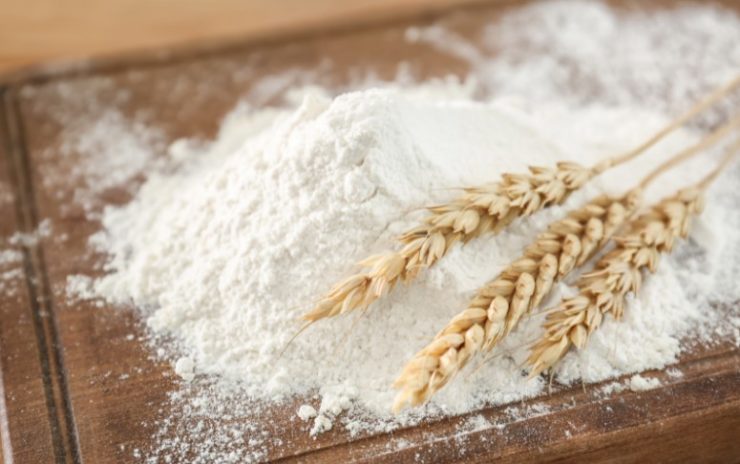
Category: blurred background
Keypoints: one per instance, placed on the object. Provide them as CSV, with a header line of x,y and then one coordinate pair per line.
x,y
39,31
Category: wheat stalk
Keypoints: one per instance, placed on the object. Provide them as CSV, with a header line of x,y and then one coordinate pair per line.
x,y
479,210
618,273
499,305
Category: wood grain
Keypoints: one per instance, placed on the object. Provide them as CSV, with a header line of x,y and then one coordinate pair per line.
x,y
28,425
79,383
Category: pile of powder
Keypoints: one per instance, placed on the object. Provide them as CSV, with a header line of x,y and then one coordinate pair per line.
x,y
229,250
224,249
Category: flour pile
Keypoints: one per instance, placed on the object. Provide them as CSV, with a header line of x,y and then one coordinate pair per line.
x,y
225,246
233,246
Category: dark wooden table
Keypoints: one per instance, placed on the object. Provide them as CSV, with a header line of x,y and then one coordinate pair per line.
x,y
63,397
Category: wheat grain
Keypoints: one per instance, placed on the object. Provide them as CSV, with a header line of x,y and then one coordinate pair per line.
x,y
499,305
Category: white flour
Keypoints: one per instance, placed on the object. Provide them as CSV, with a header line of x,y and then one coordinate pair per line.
x,y
11,271
225,248
640,383
11,256
231,249
245,236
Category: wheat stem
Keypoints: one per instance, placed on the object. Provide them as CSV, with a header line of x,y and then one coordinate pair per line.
x,y
726,159
702,105
708,141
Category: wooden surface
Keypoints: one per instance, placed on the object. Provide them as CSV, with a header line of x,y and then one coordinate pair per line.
x,y
78,383
37,31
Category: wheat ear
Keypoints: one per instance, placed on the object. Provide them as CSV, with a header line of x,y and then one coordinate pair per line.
x,y
618,273
499,305
479,210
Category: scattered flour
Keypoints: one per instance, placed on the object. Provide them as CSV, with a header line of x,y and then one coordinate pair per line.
x,y
9,280
11,258
476,423
31,239
320,425
102,165
8,257
225,246
80,286
518,413
612,387
184,368
635,383
397,444
306,412
640,383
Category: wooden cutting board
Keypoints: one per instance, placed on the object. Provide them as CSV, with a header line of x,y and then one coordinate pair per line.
x,y
79,385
